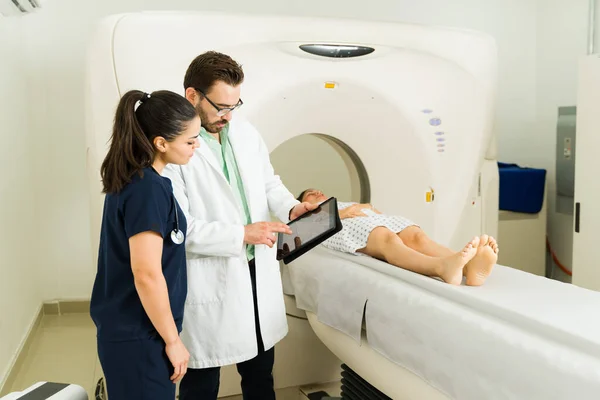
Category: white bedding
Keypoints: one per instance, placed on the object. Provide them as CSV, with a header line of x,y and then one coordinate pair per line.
x,y
519,336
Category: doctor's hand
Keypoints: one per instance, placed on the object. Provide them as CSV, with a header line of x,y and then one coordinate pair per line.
x,y
301,209
264,232
179,357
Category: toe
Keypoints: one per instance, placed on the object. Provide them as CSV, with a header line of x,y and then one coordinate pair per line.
x,y
484,240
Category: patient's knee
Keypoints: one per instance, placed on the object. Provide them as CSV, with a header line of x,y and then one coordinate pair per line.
x,y
385,236
420,237
414,237
380,242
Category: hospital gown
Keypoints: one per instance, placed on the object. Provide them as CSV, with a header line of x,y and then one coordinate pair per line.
x,y
356,230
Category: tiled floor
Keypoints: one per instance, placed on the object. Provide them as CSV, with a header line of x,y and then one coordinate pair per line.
x,y
64,350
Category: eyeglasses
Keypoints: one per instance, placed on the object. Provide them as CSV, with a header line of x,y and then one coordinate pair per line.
x,y
221,111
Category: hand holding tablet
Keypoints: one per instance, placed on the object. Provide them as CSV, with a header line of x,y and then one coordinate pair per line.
x,y
309,230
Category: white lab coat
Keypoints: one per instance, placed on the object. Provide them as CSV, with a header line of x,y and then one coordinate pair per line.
x,y
218,324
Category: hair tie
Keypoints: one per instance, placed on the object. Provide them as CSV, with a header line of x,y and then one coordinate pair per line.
x,y
138,103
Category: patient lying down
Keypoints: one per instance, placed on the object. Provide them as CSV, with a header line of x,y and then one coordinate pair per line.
x,y
400,242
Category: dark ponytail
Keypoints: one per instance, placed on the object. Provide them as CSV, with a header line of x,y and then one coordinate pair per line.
x,y
140,118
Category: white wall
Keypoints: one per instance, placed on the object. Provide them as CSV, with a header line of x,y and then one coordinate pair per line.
x,y
19,295
57,38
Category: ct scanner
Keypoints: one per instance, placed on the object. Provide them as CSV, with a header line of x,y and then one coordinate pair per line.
x,y
415,104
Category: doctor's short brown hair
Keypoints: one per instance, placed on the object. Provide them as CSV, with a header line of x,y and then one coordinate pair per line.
x,y
210,67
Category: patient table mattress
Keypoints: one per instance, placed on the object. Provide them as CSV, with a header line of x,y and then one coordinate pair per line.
x,y
519,336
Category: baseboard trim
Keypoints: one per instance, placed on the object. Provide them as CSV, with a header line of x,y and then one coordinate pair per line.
x,y
11,377
52,308
62,307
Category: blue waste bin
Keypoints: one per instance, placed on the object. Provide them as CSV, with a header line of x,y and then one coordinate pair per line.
x,y
521,189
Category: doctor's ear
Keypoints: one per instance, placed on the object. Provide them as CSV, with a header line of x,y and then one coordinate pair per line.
x,y
192,95
160,144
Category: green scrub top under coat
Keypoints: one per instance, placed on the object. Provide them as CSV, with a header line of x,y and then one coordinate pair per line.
x,y
226,158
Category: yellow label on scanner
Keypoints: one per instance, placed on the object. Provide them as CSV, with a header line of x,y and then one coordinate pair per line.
x,y
429,196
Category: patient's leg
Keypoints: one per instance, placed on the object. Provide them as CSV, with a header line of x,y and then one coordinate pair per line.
x,y
416,239
385,245
477,270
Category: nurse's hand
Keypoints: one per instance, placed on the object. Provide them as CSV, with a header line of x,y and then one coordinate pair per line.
x,y
264,232
179,357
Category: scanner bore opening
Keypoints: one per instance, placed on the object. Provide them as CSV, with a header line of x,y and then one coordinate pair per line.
x,y
321,161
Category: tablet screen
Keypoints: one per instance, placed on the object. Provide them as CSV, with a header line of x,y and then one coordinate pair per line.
x,y
308,228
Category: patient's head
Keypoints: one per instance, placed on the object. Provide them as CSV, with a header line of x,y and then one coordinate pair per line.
x,y
312,196
212,84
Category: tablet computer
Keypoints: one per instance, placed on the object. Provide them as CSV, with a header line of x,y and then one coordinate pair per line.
x,y
309,230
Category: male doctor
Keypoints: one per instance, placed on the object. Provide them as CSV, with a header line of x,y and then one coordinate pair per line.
x,y
234,312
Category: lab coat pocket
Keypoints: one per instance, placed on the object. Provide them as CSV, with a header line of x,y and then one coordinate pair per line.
x,y
207,280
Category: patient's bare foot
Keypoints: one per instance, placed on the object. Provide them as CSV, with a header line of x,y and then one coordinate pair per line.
x,y
480,267
452,266
493,244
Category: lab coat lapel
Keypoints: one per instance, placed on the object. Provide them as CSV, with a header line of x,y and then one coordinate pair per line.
x,y
207,154
242,161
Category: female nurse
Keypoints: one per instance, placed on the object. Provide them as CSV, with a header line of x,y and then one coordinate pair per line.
x,y
141,284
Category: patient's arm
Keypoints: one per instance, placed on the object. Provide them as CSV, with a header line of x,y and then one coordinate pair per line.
x,y
354,210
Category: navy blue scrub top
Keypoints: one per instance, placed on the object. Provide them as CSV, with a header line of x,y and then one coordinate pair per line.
x,y
146,204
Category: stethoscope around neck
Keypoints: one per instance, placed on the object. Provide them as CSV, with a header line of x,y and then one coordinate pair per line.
x,y
177,236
